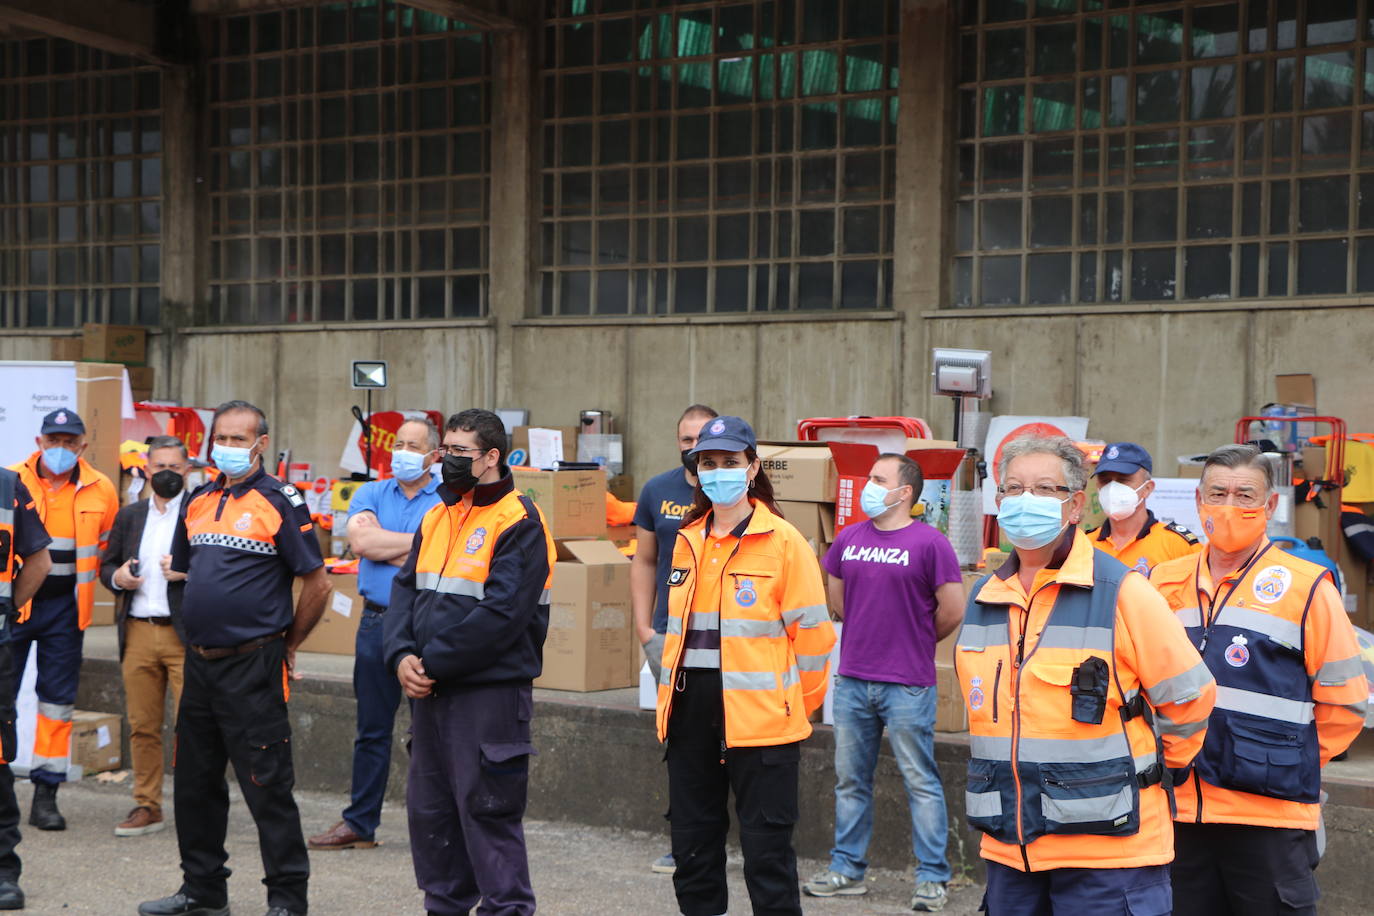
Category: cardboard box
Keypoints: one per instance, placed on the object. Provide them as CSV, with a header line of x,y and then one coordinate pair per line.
x,y
815,521
100,402
520,439
103,612
96,741
622,487
590,640
66,349
337,631
800,471
573,502
950,713
141,382
114,343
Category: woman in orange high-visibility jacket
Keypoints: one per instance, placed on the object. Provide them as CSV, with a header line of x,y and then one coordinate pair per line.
x,y
745,661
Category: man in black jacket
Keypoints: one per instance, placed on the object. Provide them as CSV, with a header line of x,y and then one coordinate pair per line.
x,y
152,643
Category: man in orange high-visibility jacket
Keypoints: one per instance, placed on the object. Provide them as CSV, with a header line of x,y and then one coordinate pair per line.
x,y
1131,533
1291,694
1070,664
77,504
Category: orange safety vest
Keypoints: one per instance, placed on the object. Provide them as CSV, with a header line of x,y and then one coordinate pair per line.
x,y
1279,651
7,564
775,631
94,508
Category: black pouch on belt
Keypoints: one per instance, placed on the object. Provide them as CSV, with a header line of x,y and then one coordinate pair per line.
x,y
1089,689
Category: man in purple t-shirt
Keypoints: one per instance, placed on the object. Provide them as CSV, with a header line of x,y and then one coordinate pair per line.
x,y
895,583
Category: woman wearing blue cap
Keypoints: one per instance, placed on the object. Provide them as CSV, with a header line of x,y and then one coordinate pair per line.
x,y
745,662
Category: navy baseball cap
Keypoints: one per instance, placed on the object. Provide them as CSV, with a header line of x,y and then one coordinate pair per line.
x,y
63,421
725,434
1124,458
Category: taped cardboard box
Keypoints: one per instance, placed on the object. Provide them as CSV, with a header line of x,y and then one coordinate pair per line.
x,y
96,741
573,503
100,402
114,343
337,631
590,636
800,471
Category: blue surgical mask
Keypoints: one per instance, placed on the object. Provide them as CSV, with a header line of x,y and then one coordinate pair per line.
x,y
724,486
58,459
1031,521
232,461
407,465
873,499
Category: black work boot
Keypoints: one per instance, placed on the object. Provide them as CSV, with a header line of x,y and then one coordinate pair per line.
x,y
44,814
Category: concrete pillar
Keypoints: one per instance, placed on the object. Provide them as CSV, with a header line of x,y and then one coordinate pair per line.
x,y
514,191
923,220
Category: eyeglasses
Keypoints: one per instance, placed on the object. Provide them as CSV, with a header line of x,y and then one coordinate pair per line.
x,y
1245,499
457,450
1040,489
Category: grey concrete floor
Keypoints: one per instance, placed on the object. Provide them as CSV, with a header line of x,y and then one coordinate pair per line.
x,y
577,871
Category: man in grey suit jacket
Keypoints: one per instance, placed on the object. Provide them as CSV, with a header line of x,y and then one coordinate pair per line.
x,y
152,643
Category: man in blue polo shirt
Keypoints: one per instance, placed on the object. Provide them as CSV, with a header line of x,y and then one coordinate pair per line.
x,y
382,520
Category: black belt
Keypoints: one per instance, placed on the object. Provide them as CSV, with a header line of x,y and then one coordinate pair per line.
x,y
155,621
210,653
373,606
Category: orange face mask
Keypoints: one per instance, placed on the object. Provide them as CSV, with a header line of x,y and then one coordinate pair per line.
x,y
1233,528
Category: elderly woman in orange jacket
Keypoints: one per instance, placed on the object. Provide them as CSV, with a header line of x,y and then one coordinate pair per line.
x,y
745,661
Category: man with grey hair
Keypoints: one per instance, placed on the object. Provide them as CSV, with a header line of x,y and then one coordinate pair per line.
x,y
383,517
1083,692
136,566
1291,694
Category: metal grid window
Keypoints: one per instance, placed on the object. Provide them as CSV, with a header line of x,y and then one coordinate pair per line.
x,y
80,186
1164,151
718,157
350,173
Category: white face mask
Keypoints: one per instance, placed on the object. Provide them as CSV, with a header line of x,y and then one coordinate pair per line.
x,y
1119,500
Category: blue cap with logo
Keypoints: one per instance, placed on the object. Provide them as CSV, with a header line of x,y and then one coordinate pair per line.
x,y
724,434
1124,458
63,421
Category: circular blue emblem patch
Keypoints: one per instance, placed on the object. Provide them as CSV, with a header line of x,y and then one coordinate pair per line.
x,y
745,595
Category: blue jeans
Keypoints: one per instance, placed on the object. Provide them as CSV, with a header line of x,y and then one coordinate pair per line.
x,y
862,708
378,693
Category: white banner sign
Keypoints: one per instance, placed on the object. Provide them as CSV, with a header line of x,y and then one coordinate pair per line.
x,y
28,392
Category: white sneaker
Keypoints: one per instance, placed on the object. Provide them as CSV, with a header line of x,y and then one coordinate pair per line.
x,y
930,897
833,884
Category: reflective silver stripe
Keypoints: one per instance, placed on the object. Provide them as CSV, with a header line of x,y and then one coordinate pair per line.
x,y
6,589
1052,750
1298,712
1284,631
813,662
62,569
86,575
6,516
700,621
1360,708
105,535
61,712
84,553
55,764
1087,810
701,658
978,636
450,585
1181,688
748,680
233,542
983,804
988,747
1145,761
545,596
665,676
1337,673
1099,638
1189,616
751,629
791,677
62,544
813,615
675,626
1168,726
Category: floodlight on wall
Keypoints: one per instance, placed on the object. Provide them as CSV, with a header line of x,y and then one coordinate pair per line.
x,y
369,375
965,375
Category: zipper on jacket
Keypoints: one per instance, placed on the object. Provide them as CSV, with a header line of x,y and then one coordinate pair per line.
x,y
720,604
682,643
1197,784
223,498
996,688
1016,724
1083,781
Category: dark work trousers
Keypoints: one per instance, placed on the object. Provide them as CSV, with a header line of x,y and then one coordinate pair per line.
x,y
764,780
233,710
54,626
378,693
1244,870
9,746
1141,891
469,772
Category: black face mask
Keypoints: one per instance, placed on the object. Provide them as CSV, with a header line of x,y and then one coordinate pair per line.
x,y
168,484
457,472
689,461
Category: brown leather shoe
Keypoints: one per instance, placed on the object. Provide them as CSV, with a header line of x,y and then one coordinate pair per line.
x,y
141,820
340,836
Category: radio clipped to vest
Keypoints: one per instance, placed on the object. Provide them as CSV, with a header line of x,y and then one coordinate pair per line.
x,y
1089,690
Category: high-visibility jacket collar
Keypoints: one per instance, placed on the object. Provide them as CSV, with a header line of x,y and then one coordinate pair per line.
x,y
241,488
1150,521
762,521
82,474
1204,567
484,494
1076,568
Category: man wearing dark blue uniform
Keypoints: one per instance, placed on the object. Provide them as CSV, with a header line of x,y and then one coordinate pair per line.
x,y
241,541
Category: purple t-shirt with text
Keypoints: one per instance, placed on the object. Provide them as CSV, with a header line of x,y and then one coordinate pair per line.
x,y
890,578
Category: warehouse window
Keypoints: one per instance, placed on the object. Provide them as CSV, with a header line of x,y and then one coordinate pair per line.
x,y
717,157
1164,151
80,186
349,165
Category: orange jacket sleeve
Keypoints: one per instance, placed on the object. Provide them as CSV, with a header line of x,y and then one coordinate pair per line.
x,y
1152,644
1339,688
806,618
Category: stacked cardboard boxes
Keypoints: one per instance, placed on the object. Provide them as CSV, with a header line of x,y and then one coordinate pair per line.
x,y
590,643
114,343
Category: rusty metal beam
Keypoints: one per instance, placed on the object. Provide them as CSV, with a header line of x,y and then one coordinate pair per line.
x,y
117,26
489,14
